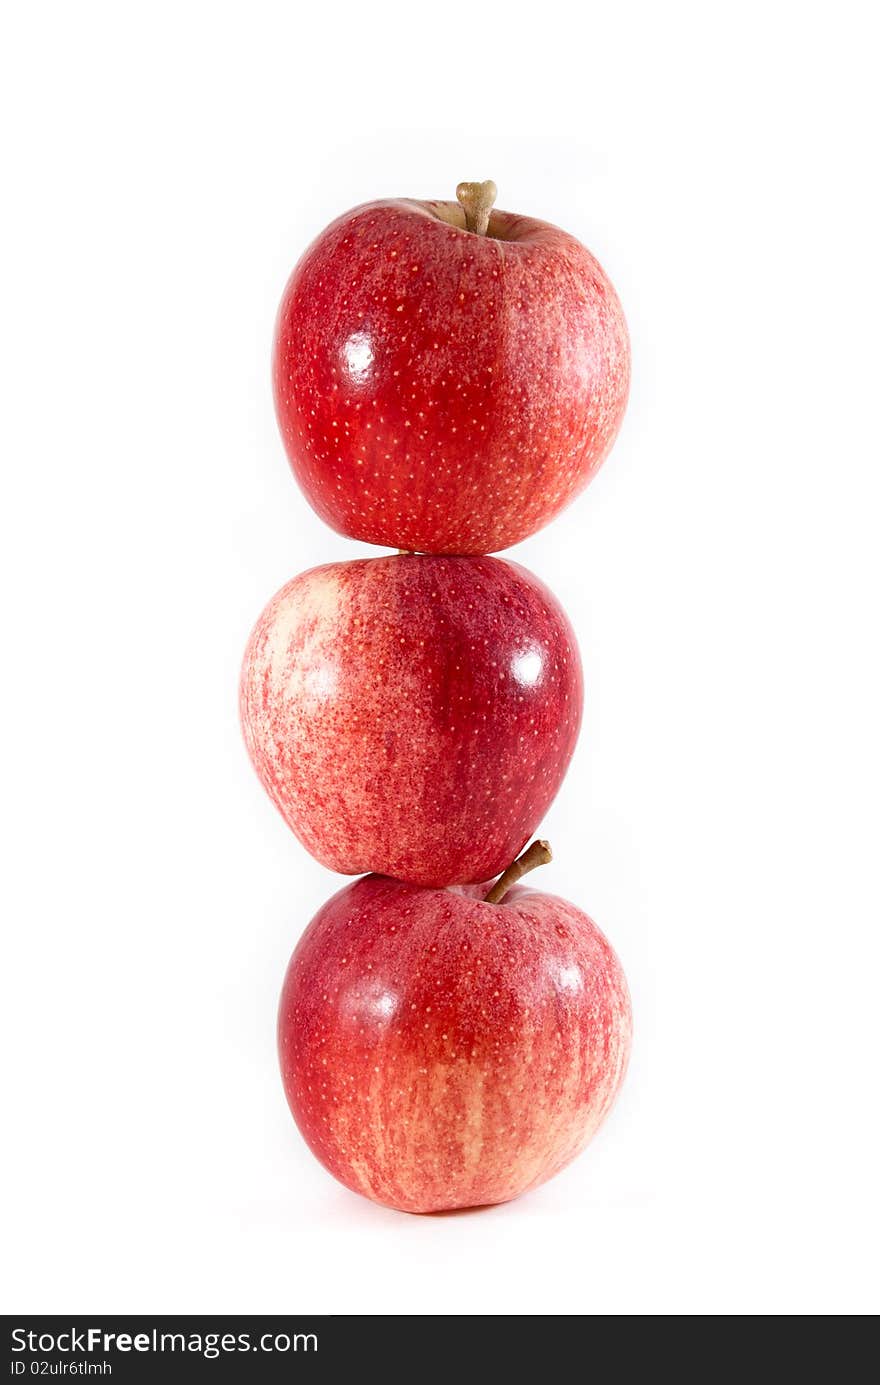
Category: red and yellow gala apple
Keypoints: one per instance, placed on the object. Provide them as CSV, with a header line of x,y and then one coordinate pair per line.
x,y
441,1051
447,380
413,715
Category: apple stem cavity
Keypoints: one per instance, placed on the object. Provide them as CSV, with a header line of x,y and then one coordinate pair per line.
x,y
477,199
538,854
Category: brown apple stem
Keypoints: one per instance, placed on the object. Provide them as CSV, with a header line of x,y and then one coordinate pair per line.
x,y
477,199
538,854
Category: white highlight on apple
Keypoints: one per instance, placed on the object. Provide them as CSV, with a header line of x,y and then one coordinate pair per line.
x,y
570,979
358,352
527,668
384,1004
320,681
377,1001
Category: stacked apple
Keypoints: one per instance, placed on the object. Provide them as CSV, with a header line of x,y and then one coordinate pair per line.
x,y
447,377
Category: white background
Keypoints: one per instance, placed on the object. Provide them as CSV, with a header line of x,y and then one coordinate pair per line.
x,y
164,166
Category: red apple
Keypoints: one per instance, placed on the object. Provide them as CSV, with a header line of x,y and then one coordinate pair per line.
x,y
441,390
412,716
440,1051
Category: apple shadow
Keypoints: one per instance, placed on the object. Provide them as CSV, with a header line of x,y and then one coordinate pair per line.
x,y
460,1211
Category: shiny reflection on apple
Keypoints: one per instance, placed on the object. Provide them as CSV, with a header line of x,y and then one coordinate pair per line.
x,y
377,1003
527,668
569,979
321,682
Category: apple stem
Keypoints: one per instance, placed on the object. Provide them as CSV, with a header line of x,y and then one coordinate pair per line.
x,y
538,854
477,199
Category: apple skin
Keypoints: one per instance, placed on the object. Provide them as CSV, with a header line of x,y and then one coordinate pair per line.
x,y
440,1052
445,392
412,716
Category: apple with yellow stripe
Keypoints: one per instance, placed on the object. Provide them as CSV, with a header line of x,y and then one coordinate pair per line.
x,y
447,1048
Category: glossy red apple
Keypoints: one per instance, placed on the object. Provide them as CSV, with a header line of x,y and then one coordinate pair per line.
x,y
438,1051
413,716
441,390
